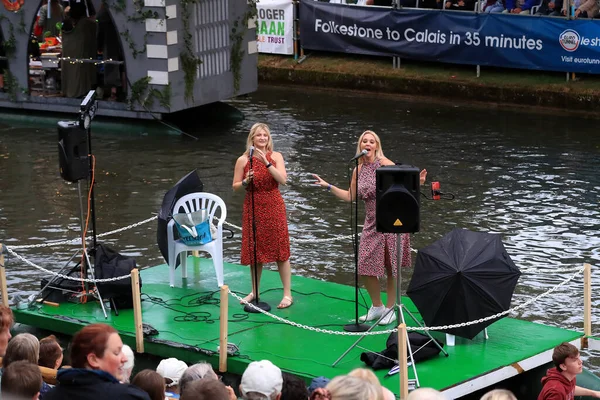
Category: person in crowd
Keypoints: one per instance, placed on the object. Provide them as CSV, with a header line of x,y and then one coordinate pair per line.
x,y
97,359
369,376
560,383
172,369
21,380
150,382
261,379
551,8
79,42
268,214
129,364
317,383
51,354
24,347
460,5
201,370
583,8
519,6
206,389
6,322
499,394
425,394
346,387
492,6
377,254
49,25
293,388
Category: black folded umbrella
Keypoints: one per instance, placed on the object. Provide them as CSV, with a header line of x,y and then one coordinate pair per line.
x,y
190,183
462,277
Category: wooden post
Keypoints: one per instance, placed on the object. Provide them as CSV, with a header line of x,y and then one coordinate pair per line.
x,y
587,300
137,310
402,360
3,286
223,331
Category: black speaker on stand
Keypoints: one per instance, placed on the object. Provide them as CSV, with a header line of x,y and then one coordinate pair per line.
x,y
397,202
73,159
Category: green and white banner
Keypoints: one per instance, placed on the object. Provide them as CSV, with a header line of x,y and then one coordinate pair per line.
x,y
275,26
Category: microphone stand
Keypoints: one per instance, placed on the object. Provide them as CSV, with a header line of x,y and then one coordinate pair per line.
x,y
356,326
255,302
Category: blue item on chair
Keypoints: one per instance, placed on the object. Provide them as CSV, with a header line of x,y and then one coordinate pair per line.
x,y
214,210
194,227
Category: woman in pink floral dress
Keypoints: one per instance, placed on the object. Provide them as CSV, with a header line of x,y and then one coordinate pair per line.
x,y
377,254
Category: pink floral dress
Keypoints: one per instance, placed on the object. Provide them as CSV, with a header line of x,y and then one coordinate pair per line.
x,y
377,251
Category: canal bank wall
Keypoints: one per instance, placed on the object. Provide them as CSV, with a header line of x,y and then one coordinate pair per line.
x,y
553,92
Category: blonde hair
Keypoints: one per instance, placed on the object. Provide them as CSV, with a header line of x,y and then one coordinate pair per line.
x,y
253,131
499,394
425,394
348,387
378,151
368,376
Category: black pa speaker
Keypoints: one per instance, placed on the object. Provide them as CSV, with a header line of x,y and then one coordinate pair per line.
x,y
72,151
397,201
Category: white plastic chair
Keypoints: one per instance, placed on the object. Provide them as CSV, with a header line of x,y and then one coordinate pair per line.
x,y
187,204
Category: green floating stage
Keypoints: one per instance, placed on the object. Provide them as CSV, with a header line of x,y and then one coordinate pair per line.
x,y
187,320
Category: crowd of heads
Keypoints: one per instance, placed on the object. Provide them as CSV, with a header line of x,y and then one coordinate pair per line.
x,y
98,347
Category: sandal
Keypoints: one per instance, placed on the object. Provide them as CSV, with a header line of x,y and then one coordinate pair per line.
x,y
286,302
247,299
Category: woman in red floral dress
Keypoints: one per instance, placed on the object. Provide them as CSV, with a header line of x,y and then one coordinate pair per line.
x,y
272,239
377,256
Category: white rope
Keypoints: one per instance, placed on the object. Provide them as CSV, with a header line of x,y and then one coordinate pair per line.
x,y
411,328
71,278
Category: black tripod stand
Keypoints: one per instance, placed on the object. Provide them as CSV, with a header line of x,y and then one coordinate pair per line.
x,y
256,303
87,111
356,326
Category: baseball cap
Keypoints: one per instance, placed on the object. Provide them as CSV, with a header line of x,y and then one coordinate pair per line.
x,y
171,368
318,382
262,377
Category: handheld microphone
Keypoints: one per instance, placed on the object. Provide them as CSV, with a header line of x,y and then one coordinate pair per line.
x,y
251,152
359,155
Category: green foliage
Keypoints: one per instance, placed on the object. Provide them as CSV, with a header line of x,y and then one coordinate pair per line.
x,y
237,39
22,25
11,85
189,60
132,46
145,96
10,44
119,5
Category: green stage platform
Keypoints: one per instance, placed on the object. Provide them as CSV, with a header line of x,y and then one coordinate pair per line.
x,y
187,319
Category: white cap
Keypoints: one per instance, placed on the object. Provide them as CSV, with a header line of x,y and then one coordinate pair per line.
x,y
130,357
262,377
171,368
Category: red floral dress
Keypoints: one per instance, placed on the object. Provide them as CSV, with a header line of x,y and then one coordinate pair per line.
x,y
377,251
273,242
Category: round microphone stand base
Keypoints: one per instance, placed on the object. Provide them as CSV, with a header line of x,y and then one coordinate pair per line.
x,y
257,304
355,327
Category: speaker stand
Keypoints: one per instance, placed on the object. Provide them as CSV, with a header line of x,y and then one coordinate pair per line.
x,y
400,308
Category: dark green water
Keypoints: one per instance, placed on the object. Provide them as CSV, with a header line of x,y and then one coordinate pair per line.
x,y
532,178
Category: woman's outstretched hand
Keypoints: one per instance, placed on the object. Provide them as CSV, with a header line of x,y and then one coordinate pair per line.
x,y
423,176
320,181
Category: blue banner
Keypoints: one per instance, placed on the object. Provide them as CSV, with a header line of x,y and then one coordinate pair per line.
x,y
513,41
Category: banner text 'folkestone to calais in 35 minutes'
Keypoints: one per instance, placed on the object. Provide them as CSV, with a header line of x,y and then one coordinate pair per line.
x,y
275,26
527,42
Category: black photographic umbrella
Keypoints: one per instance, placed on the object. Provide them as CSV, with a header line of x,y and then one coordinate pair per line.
x,y
464,276
190,183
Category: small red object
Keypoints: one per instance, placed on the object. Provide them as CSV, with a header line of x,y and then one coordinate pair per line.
x,y
435,190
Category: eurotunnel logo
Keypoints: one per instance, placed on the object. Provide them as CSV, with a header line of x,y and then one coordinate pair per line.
x,y
569,40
